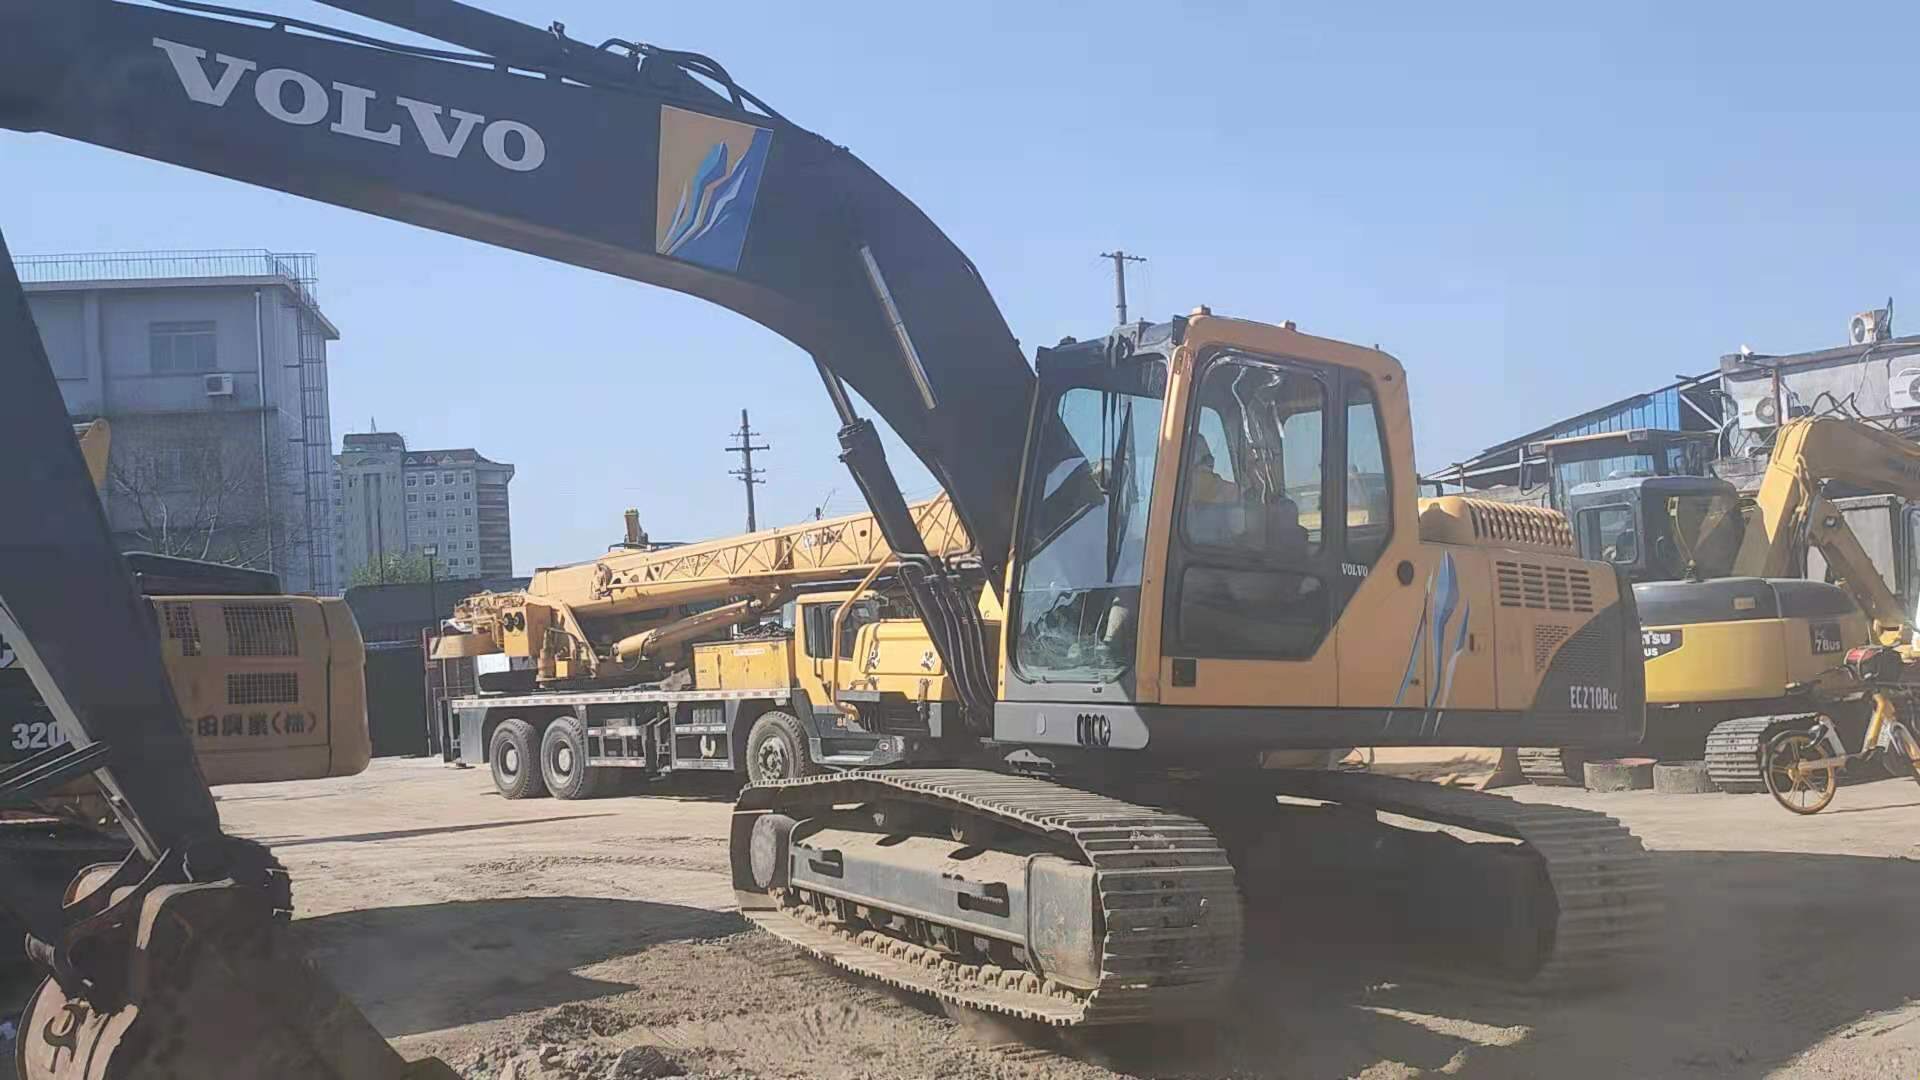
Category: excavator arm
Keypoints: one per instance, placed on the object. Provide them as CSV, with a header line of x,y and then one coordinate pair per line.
x,y
634,160
640,162
1792,511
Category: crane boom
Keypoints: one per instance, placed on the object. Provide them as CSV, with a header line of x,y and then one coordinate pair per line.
x,y
629,605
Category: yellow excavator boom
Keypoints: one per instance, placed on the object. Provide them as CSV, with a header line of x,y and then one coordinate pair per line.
x,y
1792,511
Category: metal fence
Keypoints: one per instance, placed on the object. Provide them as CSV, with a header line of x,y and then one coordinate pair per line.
x,y
296,268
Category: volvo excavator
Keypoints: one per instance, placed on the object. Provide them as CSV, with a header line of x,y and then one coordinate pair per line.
x,y
1203,533
1738,646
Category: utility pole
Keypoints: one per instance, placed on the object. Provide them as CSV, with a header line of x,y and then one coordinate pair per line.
x,y
746,472
1120,261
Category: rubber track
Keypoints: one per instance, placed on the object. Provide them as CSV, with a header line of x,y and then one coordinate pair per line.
x,y
1606,895
1734,748
1170,915
1548,766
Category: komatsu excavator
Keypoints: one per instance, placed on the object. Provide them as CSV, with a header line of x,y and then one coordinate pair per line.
x,y
1214,571
1738,646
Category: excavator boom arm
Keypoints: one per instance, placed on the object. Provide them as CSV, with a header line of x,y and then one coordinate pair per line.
x,y
636,161
632,163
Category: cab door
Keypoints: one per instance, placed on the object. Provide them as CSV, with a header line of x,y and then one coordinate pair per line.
x,y
1253,581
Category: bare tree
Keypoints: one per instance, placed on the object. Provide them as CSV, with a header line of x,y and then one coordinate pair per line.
x,y
199,496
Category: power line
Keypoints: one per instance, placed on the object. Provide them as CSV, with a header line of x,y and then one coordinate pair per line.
x,y
748,475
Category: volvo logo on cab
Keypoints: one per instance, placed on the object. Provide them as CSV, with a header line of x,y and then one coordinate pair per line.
x,y
294,97
1593,698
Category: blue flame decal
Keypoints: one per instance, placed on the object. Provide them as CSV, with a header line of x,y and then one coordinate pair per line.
x,y
710,220
1447,641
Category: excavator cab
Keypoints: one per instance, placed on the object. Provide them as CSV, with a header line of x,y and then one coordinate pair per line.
x,y
1659,528
1219,544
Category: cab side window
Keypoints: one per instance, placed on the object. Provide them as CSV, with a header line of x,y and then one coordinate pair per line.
x,y
1369,486
819,630
1609,531
1252,491
1255,462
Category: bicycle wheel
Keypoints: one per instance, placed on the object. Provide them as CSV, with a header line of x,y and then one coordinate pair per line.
x,y
1899,758
1798,788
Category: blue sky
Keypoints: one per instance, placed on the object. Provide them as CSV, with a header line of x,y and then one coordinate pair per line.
x,y
1537,208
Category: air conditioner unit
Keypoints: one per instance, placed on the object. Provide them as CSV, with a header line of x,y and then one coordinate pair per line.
x,y
1759,413
219,385
1869,327
1903,389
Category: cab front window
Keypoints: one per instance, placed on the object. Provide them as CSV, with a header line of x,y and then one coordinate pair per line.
x,y
1085,536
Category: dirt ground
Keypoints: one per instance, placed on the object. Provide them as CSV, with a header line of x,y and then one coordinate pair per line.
x,y
543,940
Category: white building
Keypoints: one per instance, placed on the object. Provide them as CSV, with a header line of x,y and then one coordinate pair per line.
x,y
390,500
211,367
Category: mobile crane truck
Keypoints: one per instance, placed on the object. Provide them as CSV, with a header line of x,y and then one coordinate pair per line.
x,y
1202,533
628,670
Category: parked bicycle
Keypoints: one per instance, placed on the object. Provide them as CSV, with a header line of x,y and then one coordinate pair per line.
x,y
1802,766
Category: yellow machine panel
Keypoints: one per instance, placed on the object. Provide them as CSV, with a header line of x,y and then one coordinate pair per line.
x,y
748,664
897,655
272,688
1741,639
1462,520
1745,660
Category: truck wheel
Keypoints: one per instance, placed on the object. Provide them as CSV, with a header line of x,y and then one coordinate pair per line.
x,y
777,749
516,761
563,761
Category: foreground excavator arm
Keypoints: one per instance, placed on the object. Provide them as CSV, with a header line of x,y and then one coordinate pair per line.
x,y
1792,512
637,161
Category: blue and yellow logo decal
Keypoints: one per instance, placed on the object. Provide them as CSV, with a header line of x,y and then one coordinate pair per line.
x,y
710,171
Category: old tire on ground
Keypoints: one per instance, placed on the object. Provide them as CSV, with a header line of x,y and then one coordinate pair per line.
x,y
514,755
1683,778
563,761
1620,774
777,749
